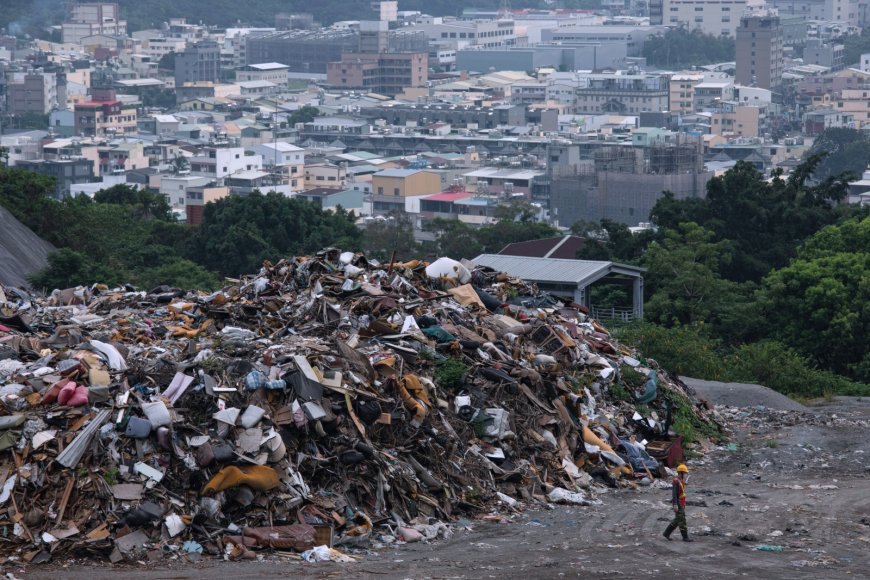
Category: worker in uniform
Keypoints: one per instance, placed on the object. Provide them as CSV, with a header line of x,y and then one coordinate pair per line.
x,y
678,499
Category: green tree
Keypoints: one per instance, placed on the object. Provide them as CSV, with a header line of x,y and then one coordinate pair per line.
x,y
764,220
820,302
144,204
855,45
180,163
167,62
842,150
454,239
681,48
179,273
683,278
611,241
382,238
67,268
238,233
158,97
304,114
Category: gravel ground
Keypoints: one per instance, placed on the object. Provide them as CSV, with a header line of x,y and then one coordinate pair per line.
x,y
741,395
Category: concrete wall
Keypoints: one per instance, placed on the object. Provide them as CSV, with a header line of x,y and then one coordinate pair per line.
x,y
626,198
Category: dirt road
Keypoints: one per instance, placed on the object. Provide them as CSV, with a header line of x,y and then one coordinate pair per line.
x,y
795,481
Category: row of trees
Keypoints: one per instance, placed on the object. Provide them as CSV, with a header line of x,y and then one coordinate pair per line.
x,y
681,48
759,270
127,236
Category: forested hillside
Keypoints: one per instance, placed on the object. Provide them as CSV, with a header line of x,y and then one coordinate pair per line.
x,y
34,16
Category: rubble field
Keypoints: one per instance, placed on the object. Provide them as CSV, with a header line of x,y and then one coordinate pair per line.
x,y
331,411
796,508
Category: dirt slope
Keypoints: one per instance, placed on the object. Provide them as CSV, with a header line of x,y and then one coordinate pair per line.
x,y
21,251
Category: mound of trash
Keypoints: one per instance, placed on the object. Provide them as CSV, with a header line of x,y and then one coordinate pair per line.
x,y
328,400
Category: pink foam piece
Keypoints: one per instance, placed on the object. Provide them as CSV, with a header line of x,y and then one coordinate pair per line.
x,y
66,393
79,398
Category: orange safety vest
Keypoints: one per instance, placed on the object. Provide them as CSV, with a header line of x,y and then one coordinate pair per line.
x,y
681,495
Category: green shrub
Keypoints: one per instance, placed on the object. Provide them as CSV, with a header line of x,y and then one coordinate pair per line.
x,y
782,369
684,350
449,373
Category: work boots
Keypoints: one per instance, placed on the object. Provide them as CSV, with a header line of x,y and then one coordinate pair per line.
x,y
686,537
668,531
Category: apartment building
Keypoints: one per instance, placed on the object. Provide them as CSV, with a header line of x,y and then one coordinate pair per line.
x,y
383,73
104,115
623,92
285,160
681,92
456,34
220,162
114,158
88,19
759,51
273,72
714,17
198,63
34,92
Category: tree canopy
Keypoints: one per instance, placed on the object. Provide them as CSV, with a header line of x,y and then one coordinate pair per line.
x,y
820,302
237,233
842,151
516,223
764,220
681,48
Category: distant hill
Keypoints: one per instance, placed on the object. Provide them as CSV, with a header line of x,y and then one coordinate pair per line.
x,y
34,15
21,251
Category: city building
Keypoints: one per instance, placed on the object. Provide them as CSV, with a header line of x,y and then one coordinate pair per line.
x,y
484,117
816,121
622,182
633,37
383,73
405,182
710,93
104,115
158,46
456,34
681,92
623,92
196,196
88,19
732,119
560,56
114,158
220,162
198,63
759,51
285,160
303,51
714,17
329,199
273,72
66,172
325,175
831,55
386,10
35,92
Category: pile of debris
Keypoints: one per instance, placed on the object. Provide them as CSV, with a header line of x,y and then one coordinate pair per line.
x,y
328,400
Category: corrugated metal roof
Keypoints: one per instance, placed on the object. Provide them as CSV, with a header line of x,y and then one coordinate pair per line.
x,y
559,271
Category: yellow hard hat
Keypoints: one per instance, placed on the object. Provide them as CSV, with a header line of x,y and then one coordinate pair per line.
x,y
681,468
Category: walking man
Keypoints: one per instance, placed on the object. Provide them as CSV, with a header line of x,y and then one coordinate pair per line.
x,y
678,499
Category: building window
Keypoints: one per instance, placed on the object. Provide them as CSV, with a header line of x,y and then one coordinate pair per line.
x,y
395,191
380,191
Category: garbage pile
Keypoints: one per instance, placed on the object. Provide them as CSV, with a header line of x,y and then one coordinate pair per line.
x,y
328,400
